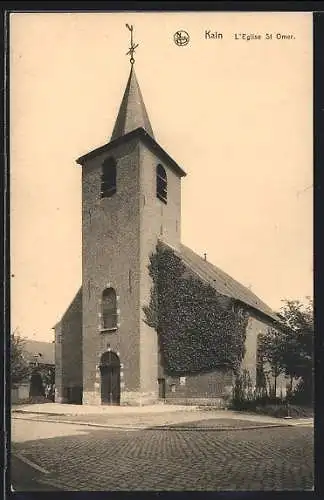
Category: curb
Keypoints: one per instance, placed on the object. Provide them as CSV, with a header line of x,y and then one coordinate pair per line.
x,y
33,465
47,476
216,429
75,422
160,428
24,412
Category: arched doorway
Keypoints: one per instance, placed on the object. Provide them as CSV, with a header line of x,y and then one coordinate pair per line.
x,y
36,387
110,378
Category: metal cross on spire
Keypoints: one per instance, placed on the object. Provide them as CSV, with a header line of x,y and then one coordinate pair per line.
x,y
132,45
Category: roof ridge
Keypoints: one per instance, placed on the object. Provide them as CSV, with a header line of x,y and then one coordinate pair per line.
x,y
232,288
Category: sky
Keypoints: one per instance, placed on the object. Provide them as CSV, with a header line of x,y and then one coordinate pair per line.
x,y
235,114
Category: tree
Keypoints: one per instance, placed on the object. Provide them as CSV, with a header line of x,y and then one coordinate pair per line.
x,y
19,368
298,318
289,348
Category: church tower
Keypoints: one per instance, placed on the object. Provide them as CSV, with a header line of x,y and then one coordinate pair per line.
x,y
131,198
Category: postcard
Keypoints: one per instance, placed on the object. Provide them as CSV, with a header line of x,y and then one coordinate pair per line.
x,y
161,194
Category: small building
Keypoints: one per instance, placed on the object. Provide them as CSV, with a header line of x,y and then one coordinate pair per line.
x,y
40,357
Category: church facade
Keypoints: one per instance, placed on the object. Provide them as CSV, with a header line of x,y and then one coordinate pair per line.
x,y
106,353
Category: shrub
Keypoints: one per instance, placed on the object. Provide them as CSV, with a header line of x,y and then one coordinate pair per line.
x,y
303,393
243,392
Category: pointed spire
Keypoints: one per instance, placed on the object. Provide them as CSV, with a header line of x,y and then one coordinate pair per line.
x,y
132,112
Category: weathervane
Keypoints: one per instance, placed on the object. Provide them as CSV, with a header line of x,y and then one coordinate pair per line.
x,y
132,45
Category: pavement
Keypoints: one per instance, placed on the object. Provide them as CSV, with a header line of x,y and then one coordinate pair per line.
x,y
79,458
27,477
159,416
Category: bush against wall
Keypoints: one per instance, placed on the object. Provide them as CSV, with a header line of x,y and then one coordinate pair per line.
x,y
196,331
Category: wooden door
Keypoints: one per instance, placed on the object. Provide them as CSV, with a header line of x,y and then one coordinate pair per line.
x,y
110,380
161,388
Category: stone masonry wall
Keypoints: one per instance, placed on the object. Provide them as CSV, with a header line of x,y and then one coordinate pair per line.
x,y
111,259
215,384
158,221
254,328
68,352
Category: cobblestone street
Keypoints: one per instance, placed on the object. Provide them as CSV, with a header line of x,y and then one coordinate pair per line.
x,y
85,458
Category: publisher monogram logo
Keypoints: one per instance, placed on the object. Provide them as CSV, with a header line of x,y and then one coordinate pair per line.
x,y
181,38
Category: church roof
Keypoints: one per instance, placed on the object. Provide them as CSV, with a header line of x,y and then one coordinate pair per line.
x,y
222,282
132,112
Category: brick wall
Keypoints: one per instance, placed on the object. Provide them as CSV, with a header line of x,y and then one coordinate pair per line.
x,y
68,351
111,258
157,221
215,384
254,328
257,326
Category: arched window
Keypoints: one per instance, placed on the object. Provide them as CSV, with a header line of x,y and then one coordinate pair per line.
x,y
109,309
161,183
108,178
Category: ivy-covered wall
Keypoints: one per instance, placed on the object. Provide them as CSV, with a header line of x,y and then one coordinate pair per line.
x,y
198,330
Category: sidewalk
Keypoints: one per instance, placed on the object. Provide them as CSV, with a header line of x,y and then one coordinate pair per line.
x,y
159,416
69,409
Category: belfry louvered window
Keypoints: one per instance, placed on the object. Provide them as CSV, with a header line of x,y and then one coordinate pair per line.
x,y
109,309
108,178
161,183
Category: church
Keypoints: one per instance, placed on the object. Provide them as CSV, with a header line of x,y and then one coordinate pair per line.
x,y
106,352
